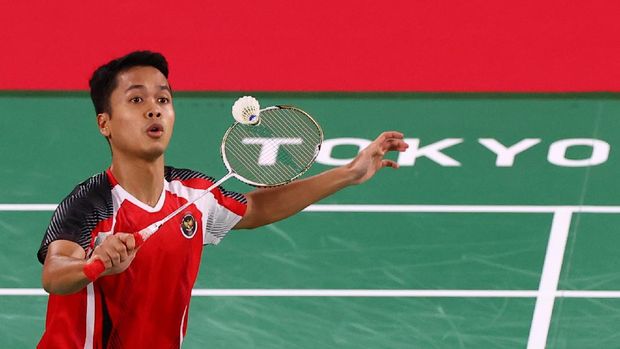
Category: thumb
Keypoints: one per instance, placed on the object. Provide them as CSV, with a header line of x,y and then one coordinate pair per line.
x,y
128,240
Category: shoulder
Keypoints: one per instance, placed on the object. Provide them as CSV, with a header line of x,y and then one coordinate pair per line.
x,y
89,203
94,191
183,174
198,180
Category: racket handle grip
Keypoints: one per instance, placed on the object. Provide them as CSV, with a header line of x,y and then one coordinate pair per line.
x,y
95,268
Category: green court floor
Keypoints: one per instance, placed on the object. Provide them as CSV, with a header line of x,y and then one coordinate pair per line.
x,y
466,241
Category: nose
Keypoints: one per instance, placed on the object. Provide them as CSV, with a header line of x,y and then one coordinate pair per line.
x,y
153,114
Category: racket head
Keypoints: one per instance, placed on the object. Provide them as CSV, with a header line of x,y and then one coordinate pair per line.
x,y
280,148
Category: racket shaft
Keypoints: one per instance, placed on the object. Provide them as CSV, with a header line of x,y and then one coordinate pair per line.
x,y
187,204
95,268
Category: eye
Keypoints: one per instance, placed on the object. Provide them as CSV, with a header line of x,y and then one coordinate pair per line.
x,y
136,100
163,100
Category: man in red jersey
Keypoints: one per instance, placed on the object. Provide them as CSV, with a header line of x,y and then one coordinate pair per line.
x,y
142,298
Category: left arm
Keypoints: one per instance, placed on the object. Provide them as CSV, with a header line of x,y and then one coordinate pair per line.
x,y
270,205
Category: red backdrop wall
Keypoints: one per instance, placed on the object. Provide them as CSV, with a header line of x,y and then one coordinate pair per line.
x,y
320,45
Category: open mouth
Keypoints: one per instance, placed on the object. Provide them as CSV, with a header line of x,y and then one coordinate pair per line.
x,y
155,130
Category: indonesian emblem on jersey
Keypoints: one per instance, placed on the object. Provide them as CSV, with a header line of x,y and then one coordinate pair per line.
x,y
188,225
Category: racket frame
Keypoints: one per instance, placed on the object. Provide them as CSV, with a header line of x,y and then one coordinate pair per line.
x,y
262,185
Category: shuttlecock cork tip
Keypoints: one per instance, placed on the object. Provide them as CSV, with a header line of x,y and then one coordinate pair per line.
x,y
246,110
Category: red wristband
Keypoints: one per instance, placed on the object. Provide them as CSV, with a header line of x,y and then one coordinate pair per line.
x,y
94,269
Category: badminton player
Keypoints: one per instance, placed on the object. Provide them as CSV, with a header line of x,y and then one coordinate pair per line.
x,y
142,299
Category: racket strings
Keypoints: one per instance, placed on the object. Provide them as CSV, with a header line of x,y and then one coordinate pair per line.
x,y
251,166
250,160
295,129
280,148
305,128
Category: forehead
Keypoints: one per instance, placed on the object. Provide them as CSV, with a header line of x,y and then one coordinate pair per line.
x,y
141,75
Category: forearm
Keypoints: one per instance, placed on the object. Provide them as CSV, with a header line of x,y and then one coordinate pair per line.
x,y
269,205
64,275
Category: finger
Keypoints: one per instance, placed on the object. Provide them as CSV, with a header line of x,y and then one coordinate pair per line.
x,y
402,146
100,254
115,257
396,144
123,254
389,134
119,247
387,145
389,163
128,240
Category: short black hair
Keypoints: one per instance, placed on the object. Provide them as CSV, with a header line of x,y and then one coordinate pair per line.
x,y
103,80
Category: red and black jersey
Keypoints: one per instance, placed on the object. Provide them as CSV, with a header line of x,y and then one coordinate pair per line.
x,y
146,306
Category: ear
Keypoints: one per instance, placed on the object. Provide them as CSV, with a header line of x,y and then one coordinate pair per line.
x,y
102,121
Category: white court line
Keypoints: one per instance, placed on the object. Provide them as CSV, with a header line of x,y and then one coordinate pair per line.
x,y
463,208
363,293
549,279
201,292
22,292
398,208
588,294
28,207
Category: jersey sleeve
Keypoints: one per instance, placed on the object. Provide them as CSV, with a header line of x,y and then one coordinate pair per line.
x,y
221,210
78,214
226,211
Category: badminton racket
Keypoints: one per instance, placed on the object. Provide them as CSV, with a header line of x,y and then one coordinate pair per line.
x,y
276,150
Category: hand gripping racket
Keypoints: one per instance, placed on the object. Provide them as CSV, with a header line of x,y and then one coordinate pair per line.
x,y
275,151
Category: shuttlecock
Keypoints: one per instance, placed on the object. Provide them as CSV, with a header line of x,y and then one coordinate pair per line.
x,y
246,110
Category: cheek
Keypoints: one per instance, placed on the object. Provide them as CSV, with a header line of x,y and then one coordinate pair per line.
x,y
125,127
171,120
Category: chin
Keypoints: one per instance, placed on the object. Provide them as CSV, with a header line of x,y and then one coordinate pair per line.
x,y
153,153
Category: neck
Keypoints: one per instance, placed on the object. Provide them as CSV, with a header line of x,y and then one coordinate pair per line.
x,y
139,177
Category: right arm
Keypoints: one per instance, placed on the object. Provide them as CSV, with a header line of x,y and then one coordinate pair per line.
x,y
64,263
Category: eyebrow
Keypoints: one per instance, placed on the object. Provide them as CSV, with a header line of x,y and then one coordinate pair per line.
x,y
141,87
